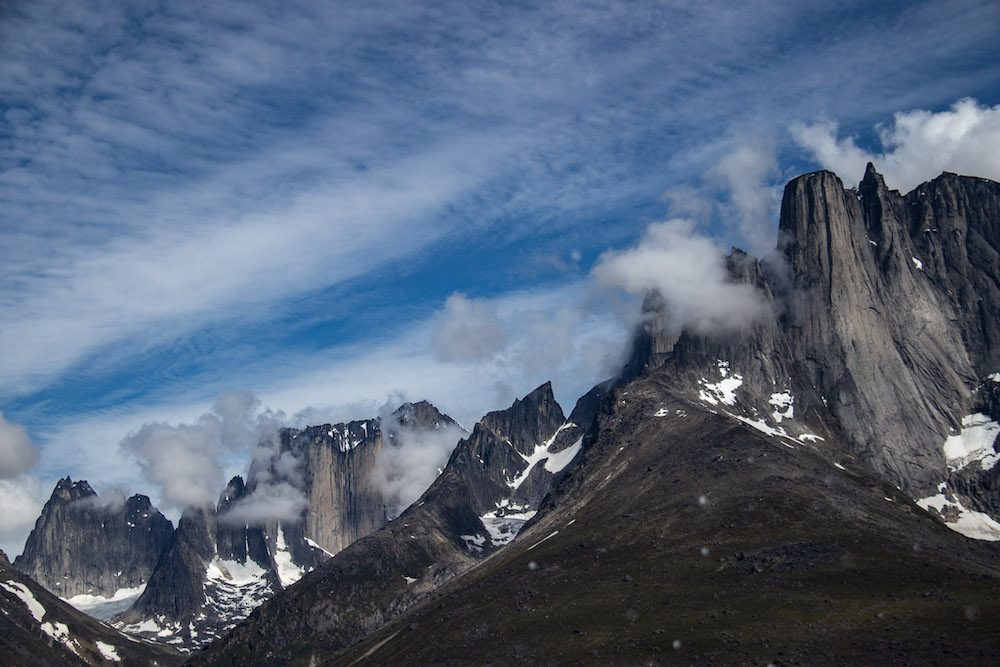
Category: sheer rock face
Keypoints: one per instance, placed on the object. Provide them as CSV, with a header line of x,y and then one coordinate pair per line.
x,y
894,311
494,455
433,541
883,323
82,546
336,463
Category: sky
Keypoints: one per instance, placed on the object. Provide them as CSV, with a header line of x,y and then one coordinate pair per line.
x,y
333,207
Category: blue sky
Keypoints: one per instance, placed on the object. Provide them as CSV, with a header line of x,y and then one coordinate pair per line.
x,y
336,205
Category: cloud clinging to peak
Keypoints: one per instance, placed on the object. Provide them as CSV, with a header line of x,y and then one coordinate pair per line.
x,y
688,270
916,145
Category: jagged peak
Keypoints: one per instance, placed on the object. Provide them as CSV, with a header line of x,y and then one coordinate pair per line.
x,y
68,491
872,183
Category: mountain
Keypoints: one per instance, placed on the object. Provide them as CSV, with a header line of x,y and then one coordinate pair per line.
x,y
491,486
683,535
92,551
37,628
741,496
226,560
211,576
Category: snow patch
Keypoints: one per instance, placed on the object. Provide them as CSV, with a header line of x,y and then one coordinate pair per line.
x,y
917,263
409,580
809,437
288,571
662,412
108,651
234,572
550,535
995,377
316,546
474,542
21,591
554,462
60,632
841,467
762,426
973,443
103,608
783,406
504,527
723,391
977,525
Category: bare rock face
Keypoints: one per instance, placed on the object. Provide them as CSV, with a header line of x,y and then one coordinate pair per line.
x,y
440,536
38,628
223,563
883,323
81,545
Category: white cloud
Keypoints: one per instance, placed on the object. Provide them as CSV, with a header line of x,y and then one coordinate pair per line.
x,y
185,462
410,459
746,174
17,453
468,330
22,502
689,272
916,145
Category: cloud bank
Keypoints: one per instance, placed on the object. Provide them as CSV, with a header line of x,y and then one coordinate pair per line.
x,y
467,330
410,460
22,503
689,272
17,453
186,461
916,145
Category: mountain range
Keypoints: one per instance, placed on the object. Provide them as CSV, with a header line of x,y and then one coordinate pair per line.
x,y
802,488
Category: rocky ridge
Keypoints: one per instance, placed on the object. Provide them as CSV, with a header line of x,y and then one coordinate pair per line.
x,y
216,570
443,534
81,545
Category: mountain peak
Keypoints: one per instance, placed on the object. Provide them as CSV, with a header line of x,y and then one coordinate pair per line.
x,y
68,491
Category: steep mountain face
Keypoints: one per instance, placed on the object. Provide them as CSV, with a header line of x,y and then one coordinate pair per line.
x,y
882,327
37,628
769,468
682,535
218,568
336,465
211,576
466,514
81,546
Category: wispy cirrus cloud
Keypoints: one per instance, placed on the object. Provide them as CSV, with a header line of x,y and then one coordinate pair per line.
x,y
272,195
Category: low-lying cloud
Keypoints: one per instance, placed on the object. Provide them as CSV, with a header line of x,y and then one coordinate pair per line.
x,y
689,272
916,145
17,453
21,502
185,461
467,330
410,460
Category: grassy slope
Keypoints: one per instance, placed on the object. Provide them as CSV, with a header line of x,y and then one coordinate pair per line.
x,y
805,562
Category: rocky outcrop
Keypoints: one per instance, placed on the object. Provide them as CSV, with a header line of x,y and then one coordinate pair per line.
x,y
222,563
882,327
83,546
37,628
444,533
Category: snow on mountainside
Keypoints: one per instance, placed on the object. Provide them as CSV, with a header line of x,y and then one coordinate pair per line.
x,y
37,628
91,549
218,570
769,467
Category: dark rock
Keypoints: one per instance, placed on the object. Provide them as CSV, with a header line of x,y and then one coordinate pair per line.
x,y
80,545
